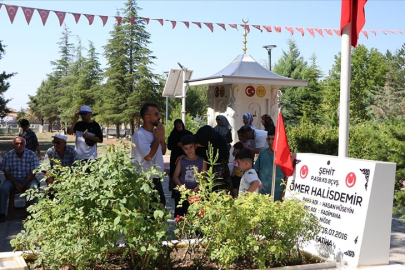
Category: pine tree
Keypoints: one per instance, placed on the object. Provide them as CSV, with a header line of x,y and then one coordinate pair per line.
x,y
4,85
130,82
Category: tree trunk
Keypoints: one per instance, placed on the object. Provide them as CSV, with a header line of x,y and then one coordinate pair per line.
x,y
132,126
117,130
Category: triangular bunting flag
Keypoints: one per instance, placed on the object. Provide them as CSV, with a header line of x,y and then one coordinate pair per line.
x,y
104,19
319,30
222,25
77,16
187,24
301,30
365,33
246,27
197,23
329,31
258,27
290,29
277,28
159,20
267,27
61,16
337,31
43,13
383,31
145,19
399,31
234,26
119,20
311,31
374,32
12,11
28,12
90,18
173,24
210,26
390,31
0,5
131,20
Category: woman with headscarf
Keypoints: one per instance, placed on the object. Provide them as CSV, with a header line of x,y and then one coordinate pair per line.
x,y
248,120
174,144
207,135
267,122
224,129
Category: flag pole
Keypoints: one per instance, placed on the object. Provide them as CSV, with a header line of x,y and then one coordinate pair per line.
x,y
273,180
345,70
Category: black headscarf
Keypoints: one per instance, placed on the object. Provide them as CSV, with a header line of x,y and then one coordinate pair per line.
x,y
173,140
207,134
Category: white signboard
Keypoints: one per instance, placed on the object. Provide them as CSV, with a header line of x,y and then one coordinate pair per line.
x,y
353,201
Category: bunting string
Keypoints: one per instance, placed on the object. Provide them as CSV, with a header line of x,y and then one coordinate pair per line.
x,y
44,13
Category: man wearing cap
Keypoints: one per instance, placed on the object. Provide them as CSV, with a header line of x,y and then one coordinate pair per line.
x,y
17,166
88,134
66,154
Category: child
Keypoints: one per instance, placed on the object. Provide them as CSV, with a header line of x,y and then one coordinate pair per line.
x,y
264,168
236,172
250,181
184,172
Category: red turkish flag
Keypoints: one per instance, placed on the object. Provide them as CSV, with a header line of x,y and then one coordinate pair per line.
x,y
290,29
337,31
399,31
90,18
0,5
311,31
210,26
277,28
267,27
301,30
61,16
353,12
222,25
104,19
197,23
187,24
43,13
131,20
173,24
319,30
280,146
77,16
145,19
234,26
365,33
257,27
159,20
329,31
12,11
119,20
246,27
28,12
374,32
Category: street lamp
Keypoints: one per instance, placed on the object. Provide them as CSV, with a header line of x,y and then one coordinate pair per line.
x,y
167,99
269,48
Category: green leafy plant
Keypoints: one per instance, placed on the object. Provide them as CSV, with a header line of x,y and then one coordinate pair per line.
x,y
97,205
249,231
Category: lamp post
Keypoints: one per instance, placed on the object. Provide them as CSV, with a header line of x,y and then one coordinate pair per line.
x,y
269,48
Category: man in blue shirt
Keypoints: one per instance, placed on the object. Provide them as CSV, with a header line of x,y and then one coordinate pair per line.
x,y
17,165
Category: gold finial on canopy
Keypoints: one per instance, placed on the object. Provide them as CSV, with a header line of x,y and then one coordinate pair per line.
x,y
245,33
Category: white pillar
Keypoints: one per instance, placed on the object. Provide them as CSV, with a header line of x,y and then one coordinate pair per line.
x,y
345,70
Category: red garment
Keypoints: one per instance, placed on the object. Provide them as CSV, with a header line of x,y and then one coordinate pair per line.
x,y
353,12
282,149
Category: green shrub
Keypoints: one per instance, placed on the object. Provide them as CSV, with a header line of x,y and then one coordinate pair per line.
x,y
250,230
92,211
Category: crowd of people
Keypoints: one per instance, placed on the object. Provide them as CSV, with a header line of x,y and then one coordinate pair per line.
x,y
188,152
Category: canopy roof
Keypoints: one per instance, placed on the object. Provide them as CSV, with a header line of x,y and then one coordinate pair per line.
x,y
244,69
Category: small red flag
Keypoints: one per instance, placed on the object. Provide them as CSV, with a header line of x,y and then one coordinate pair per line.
x,y
282,149
353,12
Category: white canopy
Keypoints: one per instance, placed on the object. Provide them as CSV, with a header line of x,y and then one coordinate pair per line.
x,y
244,69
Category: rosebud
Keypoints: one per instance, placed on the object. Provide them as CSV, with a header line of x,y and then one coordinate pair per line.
x,y
193,199
202,211
178,218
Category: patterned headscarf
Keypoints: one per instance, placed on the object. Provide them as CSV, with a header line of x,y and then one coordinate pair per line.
x,y
249,118
224,128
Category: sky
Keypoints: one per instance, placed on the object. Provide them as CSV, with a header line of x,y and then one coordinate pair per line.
x,y
31,48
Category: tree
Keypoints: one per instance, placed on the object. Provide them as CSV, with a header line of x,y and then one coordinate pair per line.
x,y
21,114
130,82
4,85
292,65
